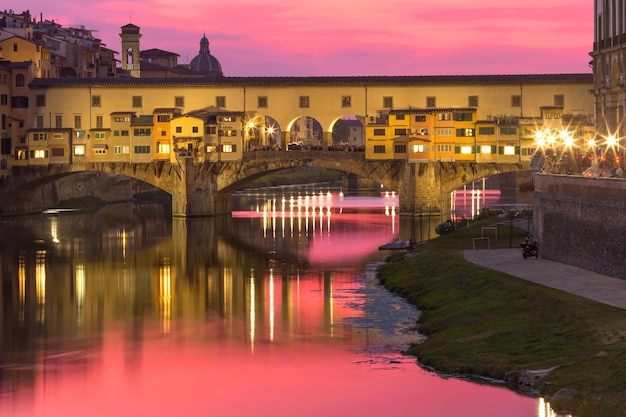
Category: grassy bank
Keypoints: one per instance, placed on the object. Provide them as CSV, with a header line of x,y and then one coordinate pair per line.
x,y
483,322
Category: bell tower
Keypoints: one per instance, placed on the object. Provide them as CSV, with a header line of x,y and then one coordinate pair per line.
x,y
130,50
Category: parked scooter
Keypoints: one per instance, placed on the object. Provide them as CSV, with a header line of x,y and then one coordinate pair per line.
x,y
529,247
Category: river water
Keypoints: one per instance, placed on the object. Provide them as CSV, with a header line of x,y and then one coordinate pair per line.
x,y
273,311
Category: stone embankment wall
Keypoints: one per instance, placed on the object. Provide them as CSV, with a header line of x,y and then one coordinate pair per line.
x,y
582,222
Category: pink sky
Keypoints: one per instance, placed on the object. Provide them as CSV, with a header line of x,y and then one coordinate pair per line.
x,y
348,37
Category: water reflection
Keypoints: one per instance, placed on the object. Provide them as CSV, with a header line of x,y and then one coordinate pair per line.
x,y
126,312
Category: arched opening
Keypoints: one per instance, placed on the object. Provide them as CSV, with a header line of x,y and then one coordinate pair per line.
x,y
262,133
348,133
305,133
129,56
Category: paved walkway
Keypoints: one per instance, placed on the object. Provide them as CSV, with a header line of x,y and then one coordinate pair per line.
x,y
608,290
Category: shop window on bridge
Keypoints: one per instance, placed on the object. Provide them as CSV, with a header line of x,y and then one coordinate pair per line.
x,y
463,150
79,150
444,148
420,147
226,119
39,136
58,152
399,148
463,117
210,130
420,118
21,154
486,149
379,148
227,133
400,132
142,132
99,135
559,100
464,133
163,147
121,150
163,118
487,131
39,154
508,150
379,132
137,101
508,130
5,146
443,116
57,136
229,148
142,149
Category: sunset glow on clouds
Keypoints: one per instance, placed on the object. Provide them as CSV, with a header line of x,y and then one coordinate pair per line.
x,y
348,37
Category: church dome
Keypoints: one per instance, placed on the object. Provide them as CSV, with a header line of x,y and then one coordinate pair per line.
x,y
204,62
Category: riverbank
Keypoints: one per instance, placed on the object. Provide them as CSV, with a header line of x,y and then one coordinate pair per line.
x,y
537,339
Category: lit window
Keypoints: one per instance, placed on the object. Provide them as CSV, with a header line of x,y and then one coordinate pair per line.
x,y
466,150
39,153
79,150
163,147
420,148
509,150
485,149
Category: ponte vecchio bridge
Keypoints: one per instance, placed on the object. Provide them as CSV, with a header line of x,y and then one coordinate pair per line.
x,y
201,189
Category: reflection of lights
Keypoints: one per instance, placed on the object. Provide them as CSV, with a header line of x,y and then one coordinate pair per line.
x,y
227,299
80,291
21,277
252,310
54,229
40,284
271,304
544,409
165,294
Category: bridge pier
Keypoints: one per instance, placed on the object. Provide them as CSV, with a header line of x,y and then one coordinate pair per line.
x,y
195,193
424,189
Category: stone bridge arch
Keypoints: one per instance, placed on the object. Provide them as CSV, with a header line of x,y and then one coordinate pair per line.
x,y
200,189
233,176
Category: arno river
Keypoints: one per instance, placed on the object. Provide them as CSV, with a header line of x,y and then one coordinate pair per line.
x,y
273,311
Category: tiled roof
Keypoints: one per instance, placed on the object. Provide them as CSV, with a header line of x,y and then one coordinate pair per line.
x,y
321,81
432,110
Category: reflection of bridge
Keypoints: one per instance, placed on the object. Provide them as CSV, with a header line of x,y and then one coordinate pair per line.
x,y
205,188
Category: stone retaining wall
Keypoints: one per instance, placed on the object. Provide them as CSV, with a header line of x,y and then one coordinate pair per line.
x,y
582,222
